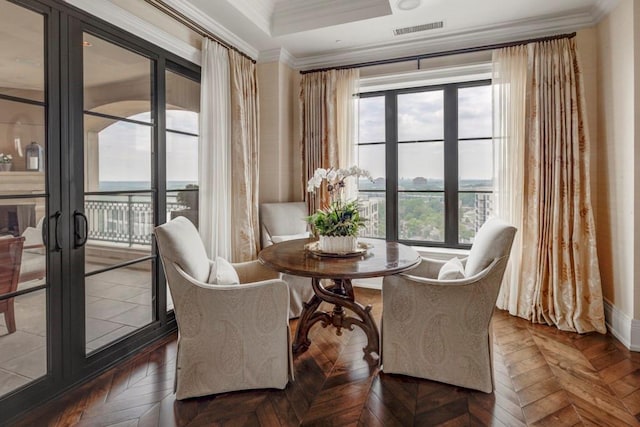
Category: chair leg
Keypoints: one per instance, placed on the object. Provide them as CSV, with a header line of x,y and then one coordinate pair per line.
x,y
9,317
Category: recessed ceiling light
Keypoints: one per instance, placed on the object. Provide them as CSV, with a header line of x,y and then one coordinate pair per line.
x,y
408,4
86,44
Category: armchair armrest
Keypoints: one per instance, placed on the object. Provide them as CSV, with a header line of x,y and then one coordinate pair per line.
x,y
429,268
254,271
457,282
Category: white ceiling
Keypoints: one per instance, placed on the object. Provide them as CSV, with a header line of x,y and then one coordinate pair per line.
x,y
319,33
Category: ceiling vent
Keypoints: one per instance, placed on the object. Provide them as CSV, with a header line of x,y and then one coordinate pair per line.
x,y
417,28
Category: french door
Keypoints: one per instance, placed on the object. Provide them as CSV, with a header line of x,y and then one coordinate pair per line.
x,y
83,120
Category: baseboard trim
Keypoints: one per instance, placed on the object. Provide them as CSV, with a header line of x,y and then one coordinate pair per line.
x,y
622,326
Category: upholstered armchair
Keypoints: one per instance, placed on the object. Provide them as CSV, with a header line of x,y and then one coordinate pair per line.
x,y
439,328
34,263
232,318
286,221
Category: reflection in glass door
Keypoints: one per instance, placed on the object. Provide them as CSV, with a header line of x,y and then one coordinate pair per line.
x,y
23,198
182,112
116,223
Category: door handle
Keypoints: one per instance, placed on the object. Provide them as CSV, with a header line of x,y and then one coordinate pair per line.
x,y
80,239
57,217
45,232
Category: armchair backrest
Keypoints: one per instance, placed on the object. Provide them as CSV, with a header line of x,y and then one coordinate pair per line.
x,y
493,240
10,260
179,242
282,219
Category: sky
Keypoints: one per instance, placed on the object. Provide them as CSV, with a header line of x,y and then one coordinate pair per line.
x,y
420,117
125,149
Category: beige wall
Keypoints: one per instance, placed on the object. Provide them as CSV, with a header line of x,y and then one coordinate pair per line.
x,y
617,214
280,156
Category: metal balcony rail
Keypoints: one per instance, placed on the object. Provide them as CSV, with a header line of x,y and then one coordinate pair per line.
x,y
126,219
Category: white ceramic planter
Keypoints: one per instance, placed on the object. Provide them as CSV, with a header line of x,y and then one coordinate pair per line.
x,y
338,244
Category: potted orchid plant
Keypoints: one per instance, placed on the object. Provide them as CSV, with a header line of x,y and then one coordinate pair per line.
x,y
338,224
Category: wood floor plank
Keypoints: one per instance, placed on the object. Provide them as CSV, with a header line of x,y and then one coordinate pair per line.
x,y
543,377
565,417
546,406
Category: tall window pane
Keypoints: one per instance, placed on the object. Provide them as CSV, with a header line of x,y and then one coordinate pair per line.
x,y
118,202
23,199
420,116
371,123
475,160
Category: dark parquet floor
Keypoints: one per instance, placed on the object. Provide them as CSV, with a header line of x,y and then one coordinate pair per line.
x,y
544,377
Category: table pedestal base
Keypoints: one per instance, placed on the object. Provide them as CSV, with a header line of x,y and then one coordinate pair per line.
x,y
341,296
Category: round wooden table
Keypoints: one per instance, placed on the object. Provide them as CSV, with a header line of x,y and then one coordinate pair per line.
x,y
381,259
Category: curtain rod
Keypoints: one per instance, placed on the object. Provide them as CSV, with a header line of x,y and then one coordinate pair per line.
x,y
442,53
193,25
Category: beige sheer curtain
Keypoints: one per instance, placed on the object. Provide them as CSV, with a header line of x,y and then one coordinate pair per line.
x,y
557,280
244,158
328,113
509,108
214,174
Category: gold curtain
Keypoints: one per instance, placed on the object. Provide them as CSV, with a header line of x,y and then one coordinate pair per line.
x,y
244,158
559,278
328,125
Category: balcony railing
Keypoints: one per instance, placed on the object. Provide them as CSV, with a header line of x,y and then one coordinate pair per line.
x,y
124,219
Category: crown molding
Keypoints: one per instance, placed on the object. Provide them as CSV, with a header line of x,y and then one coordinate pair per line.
x,y
303,15
438,42
257,11
602,8
121,18
201,18
276,55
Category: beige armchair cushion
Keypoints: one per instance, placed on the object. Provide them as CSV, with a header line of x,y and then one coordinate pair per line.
x,y
187,251
282,219
451,270
490,242
223,273
232,337
439,330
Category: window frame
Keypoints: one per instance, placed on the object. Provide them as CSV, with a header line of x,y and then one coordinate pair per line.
x,y
451,179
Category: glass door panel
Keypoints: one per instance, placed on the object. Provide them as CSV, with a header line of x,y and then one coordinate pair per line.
x,y
182,113
118,198
23,199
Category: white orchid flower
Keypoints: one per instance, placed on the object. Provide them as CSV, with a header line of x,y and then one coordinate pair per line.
x,y
320,173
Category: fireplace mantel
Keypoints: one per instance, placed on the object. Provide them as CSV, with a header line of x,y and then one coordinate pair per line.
x,y
21,182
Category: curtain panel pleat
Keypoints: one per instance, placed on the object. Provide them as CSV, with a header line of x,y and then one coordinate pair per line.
x,y
244,158
555,278
329,131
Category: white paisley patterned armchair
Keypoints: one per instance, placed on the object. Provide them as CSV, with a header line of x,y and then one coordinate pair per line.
x,y
436,317
232,318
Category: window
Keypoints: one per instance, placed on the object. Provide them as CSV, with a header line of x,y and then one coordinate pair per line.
x,y
430,153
